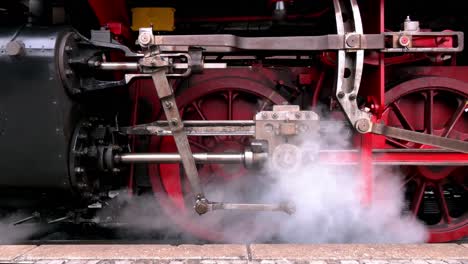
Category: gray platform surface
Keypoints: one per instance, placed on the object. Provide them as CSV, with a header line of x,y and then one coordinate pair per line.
x,y
237,254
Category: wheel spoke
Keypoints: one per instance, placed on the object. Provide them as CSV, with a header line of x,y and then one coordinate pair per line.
x,y
428,112
408,179
202,116
199,145
263,105
199,112
443,204
454,119
401,117
394,142
229,99
418,197
243,139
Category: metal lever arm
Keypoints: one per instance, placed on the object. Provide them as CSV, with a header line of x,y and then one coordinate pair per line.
x,y
421,138
166,95
288,208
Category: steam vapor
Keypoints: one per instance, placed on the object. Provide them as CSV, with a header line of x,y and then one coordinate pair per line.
x,y
11,234
328,201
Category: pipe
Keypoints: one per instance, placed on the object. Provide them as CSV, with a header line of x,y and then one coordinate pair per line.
x,y
223,158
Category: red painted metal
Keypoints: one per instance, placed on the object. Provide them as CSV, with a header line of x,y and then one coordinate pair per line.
x,y
215,95
372,86
114,15
219,95
120,31
318,89
433,105
389,157
110,11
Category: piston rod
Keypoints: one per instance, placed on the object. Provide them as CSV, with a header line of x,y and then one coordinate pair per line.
x,y
225,158
247,158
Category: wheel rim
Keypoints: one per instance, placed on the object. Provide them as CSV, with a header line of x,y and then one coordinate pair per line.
x,y
437,195
218,98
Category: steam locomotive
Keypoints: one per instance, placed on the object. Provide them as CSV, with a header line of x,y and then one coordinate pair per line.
x,y
162,96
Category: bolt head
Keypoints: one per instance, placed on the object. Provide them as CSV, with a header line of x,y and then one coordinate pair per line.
x,y
404,41
201,206
168,104
352,41
144,38
363,125
174,122
14,48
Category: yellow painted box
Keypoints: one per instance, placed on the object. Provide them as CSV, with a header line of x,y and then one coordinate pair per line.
x,y
162,18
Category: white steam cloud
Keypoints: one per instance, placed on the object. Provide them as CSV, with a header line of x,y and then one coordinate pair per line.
x,y
12,234
328,201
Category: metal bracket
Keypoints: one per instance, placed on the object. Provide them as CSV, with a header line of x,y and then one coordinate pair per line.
x,y
349,73
350,62
153,62
285,128
403,41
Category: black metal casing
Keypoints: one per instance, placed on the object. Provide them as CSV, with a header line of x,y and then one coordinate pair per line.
x,y
36,117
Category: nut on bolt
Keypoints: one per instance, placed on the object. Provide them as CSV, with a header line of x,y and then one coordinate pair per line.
x,y
174,122
363,125
168,104
352,40
145,38
404,41
14,48
201,206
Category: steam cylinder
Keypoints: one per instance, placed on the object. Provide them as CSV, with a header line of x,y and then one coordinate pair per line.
x,y
36,118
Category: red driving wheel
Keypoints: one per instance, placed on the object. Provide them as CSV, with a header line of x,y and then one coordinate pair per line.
x,y
223,96
438,195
